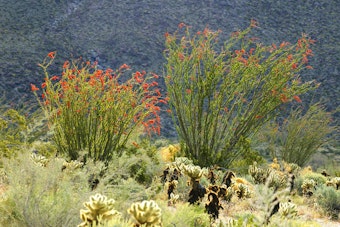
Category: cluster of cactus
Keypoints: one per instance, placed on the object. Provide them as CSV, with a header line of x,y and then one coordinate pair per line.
x,y
275,164
273,175
146,213
240,188
288,209
259,175
99,211
291,167
171,186
277,179
335,182
170,180
72,165
180,162
308,187
39,159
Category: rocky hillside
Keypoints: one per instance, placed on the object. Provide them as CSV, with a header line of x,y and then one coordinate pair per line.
x,y
114,32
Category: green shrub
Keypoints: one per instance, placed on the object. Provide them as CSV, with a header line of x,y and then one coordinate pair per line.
x,y
184,215
12,133
302,135
220,94
329,200
42,195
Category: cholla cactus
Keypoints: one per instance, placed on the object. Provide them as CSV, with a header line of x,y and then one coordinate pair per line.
x,y
228,194
335,182
277,179
291,167
228,222
99,210
173,199
194,172
275,165
240,188
242,191
258,174
308,187
180,162
39,159
146,212
72,165
288,210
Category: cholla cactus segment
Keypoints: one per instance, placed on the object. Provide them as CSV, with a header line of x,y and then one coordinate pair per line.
x,y
99,210
288,210
39,159
146,212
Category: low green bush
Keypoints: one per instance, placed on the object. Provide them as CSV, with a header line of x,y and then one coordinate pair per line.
x,y
39,195
328,198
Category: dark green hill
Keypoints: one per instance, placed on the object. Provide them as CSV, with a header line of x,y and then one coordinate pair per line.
x,y
131,31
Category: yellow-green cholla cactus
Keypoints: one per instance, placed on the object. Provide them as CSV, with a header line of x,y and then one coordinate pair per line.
x,y
146,213
335,182
308,186
181,162
99,210
72,165
259,175
39,159
194,172
288,210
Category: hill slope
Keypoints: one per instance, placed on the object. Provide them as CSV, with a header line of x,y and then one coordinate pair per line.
x,y
116,32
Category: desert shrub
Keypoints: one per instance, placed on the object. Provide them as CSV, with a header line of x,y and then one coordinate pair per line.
x,y
184,215
248,157
39,195
267,202
91,109
138,166
133,177
12,136
220,94
301,135
328,198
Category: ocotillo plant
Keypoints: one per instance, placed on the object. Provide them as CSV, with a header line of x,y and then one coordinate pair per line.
x,y
90,109
222,93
